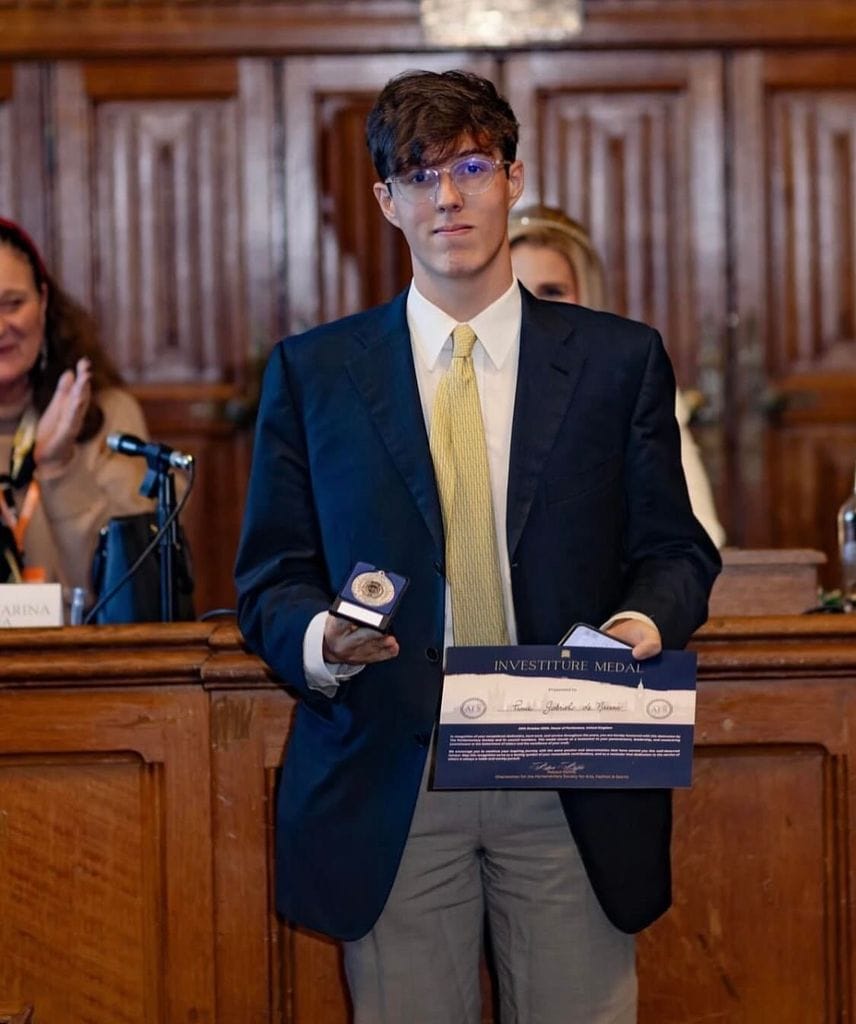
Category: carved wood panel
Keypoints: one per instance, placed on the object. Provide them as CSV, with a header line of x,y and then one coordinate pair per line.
x,y
166,215
631,145
737,965
794,218
305,980
248,735
783,746
342,254
24,187
101,881
103,838
7,150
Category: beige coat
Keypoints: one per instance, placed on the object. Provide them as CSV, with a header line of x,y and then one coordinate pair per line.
x,y
96,484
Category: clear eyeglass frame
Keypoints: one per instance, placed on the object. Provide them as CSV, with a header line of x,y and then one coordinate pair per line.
x,y
471,175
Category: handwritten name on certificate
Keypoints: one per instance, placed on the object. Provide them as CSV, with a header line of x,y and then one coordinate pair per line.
x,y
548,717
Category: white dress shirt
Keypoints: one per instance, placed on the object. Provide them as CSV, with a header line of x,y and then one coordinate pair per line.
x,y
495,358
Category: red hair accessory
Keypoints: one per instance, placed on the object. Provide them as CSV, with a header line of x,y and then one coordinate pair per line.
x,y
27,244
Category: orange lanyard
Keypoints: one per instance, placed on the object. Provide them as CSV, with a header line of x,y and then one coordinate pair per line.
x,y
19,522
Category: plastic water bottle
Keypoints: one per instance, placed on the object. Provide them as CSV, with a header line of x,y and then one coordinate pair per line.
x,y
847,546
78,600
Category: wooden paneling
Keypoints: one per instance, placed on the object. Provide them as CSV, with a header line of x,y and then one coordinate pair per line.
x,y
794,370
163,196
179,27
37,28
166,215
766,582
138,769
248,736
103,855
631,145
107,80
790,780
812,229
7,150
810,471
23,163
342,255
103,838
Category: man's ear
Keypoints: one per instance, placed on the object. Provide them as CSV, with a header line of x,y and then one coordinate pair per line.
x,y
515,182
385,202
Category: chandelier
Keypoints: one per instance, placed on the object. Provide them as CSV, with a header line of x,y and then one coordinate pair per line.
x,y
499,22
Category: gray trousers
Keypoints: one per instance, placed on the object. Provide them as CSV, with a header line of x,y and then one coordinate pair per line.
x,y
558,959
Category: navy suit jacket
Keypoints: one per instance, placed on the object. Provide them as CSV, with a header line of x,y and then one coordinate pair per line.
x,y
598,521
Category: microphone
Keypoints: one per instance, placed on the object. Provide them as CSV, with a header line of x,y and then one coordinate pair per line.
x,y
128,444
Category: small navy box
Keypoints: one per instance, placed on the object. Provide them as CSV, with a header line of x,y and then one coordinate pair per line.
x,y
369,597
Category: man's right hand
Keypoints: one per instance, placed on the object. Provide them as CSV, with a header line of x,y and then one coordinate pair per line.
x,y
346,643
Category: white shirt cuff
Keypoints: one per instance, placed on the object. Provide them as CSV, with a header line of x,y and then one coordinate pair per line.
x,y
320,674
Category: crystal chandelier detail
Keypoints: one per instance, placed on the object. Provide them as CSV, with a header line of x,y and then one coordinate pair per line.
x,y
499,22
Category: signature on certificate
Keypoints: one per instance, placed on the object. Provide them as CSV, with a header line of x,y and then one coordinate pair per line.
x,y
563,768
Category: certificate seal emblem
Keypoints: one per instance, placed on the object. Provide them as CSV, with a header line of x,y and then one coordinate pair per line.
x,y
659,707
373,588
473,707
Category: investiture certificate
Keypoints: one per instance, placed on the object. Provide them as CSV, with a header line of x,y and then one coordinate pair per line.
x,y
553,717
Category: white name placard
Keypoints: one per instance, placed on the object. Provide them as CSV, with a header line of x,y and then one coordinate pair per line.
x,y
30,604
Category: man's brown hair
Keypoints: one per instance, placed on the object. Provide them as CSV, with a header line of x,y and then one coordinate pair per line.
x,y
419,117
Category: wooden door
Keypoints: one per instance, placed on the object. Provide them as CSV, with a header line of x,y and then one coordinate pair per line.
x,y
342,256
794,224
631,145
165,222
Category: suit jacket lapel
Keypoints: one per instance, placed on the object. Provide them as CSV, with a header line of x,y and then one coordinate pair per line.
x,y
551,360
384,376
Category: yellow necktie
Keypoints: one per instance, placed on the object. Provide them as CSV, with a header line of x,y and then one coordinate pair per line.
x,y
463,480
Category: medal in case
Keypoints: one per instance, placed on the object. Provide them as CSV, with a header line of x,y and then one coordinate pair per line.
x,y
369,597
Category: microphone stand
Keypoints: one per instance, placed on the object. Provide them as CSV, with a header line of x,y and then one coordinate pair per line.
x,y
159,479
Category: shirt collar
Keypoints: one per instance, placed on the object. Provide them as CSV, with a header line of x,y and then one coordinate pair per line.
x,y
497,327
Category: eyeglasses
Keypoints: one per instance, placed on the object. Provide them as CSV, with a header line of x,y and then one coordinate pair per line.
x,y
471,175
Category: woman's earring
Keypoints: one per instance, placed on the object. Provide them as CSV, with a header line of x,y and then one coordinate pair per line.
x,y
43,356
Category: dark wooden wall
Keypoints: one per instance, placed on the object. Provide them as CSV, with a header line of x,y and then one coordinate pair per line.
x,y
197,174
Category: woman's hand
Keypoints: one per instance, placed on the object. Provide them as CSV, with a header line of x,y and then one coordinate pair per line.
x,y
60,423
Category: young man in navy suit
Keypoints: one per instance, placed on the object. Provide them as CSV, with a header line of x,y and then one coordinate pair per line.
x,y
593,523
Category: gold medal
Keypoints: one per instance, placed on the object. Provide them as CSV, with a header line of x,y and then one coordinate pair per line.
x,y
373,588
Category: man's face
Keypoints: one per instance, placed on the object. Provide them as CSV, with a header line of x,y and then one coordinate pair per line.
x,y
453,235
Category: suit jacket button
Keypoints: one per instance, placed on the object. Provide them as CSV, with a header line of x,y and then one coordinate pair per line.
x,y
422,739
432,654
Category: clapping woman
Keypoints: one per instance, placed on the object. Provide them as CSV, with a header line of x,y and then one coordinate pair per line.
x,y
59,398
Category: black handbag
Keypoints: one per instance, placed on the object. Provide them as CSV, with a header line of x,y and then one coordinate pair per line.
x,y
120,544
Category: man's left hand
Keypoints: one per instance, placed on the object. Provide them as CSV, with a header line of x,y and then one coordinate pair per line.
x,y
644,636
